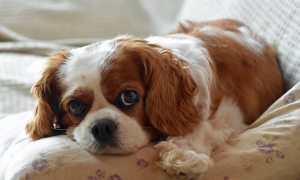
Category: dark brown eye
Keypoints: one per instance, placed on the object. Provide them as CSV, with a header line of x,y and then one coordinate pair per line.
x,y
77,108
127,99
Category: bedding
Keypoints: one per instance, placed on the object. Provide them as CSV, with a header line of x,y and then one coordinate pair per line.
x,y
270,149
17,74
278,22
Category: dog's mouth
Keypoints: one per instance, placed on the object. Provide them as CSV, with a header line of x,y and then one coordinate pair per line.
x,y
109,149
114,146
95,147
109,136
118,146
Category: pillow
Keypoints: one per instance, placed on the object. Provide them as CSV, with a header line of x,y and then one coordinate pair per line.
x,y
276,21
61,158
270,149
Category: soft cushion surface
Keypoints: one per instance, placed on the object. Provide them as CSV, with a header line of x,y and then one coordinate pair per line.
x,y
270,149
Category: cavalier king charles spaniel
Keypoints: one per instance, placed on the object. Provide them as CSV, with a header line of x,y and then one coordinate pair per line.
x,y
198,86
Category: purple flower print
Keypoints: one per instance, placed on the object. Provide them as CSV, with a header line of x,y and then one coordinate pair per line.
x,y
248,167
269,160
27,176
92,178
100,173
115,177
226,178
259,143
291,97
142,163
280,154
264,148
40,164
269,148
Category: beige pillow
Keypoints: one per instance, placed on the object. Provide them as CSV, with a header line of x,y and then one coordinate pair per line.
x,y
269,150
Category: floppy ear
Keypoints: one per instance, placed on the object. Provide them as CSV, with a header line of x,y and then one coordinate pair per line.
x,y
47,90
170,94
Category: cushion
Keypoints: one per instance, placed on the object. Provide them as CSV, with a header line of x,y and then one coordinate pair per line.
x,y
61,158
270,149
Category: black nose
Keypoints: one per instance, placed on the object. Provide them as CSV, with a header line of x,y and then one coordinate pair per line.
x,y
104,130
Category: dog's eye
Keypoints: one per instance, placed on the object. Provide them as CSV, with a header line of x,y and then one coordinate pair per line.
x,y
77,108
128,98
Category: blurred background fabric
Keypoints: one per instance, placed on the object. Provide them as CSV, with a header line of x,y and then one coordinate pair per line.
x,y
69,19
31,30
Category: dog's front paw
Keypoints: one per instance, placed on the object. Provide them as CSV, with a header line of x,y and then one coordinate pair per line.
x,y
184,163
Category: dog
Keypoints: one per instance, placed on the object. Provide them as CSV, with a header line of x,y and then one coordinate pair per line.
x,y
198,86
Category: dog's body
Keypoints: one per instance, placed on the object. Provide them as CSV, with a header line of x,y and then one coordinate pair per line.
x,y
200,86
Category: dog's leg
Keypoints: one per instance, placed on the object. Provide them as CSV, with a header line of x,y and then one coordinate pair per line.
x,y
190,156
187,156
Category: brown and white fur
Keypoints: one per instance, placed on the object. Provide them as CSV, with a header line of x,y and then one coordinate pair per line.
x,y
199,86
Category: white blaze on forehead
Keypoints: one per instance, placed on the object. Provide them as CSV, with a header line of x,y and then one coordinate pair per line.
x,y
82,68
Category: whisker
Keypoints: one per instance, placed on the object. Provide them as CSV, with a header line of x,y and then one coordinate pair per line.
x,y
97,146
60,129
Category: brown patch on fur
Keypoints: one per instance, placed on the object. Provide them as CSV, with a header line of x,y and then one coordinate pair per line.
x,y
253,80
168,87
47,90
122,74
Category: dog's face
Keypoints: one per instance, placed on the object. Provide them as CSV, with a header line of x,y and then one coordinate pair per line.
x,y
115,96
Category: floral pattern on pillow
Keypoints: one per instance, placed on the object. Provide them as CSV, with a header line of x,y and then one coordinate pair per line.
x,y
265,150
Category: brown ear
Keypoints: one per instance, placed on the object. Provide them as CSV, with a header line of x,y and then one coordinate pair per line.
x,y
47,90
171,91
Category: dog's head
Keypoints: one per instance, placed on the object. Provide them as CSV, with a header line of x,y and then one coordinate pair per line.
x,y
114,96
